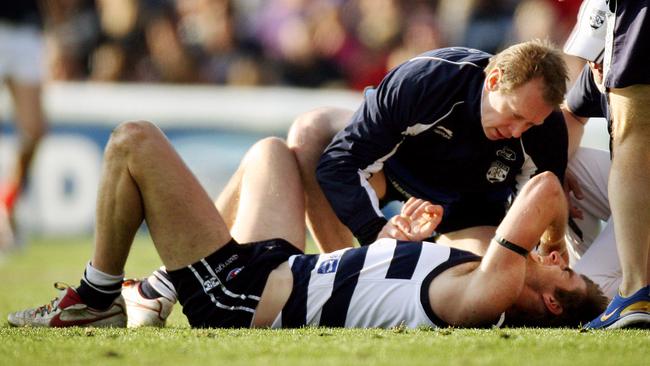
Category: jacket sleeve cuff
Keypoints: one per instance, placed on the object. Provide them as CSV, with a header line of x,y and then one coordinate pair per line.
x,y
368,234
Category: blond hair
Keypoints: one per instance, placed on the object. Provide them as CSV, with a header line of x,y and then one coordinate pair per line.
x,y
526,61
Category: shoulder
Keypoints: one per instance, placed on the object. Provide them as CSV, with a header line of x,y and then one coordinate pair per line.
x,y
457,68
451,58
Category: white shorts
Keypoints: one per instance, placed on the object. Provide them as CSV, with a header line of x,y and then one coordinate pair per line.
x,y
21,53
592,251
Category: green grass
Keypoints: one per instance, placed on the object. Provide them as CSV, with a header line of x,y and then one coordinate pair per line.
x,y
27,278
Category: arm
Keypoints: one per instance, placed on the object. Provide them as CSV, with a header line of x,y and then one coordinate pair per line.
x,y
584,100
480,295
373,136
553,238
575,127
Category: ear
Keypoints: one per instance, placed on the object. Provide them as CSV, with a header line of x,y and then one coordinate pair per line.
x,y
552,304
492,79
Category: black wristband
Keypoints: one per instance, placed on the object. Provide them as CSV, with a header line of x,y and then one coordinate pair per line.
x,y
510,245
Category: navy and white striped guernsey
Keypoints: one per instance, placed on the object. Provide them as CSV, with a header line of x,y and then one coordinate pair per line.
x,y
381,285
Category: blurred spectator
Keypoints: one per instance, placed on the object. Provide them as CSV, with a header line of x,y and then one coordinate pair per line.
x,y
142,43
534,19
308,43
541,19
421,33
209,29
73,34
489,24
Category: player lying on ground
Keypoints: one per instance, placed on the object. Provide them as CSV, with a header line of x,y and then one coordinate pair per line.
x,y
270,282
150,301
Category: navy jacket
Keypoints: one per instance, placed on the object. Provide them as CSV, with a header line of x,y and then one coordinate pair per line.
x,y
423,127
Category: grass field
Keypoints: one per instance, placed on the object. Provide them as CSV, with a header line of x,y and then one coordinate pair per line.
x,y
27,279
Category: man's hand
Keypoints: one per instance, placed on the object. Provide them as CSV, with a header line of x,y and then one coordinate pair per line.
x,y
417,221
571,185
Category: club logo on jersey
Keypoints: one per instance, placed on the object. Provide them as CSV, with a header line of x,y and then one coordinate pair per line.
x,y
444,132
328,266
507,154
210,283
498,172
596,19
232,274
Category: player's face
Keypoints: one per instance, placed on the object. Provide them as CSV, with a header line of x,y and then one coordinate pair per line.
x,y
553,270
553,258
509,115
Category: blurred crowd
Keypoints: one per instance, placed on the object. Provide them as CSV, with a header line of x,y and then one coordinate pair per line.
x,y
306,43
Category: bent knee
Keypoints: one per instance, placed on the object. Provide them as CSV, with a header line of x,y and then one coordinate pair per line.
x,y
547,184
315,129
271,144
268,148
129,135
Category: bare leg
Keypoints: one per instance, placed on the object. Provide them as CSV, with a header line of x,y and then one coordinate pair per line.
x,y
308,137
629,184
264,199
228,200
144,178
270,199
31,128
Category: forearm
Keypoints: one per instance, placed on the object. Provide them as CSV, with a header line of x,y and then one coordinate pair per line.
x,y
575,127
354,203
553,238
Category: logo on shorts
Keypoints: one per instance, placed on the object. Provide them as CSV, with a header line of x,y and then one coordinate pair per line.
x,y
232,274
328,266
210,283
221,266
507,154
498,172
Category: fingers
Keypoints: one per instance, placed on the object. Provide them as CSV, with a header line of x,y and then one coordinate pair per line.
x,y
392,229
424,231
416,207
576,212
402,223
571,184
410,206
436,211
417,221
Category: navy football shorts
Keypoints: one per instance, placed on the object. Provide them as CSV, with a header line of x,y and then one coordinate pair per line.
x,y
629,49
223,289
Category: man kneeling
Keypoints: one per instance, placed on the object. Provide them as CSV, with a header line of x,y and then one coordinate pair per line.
x,y
269,282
